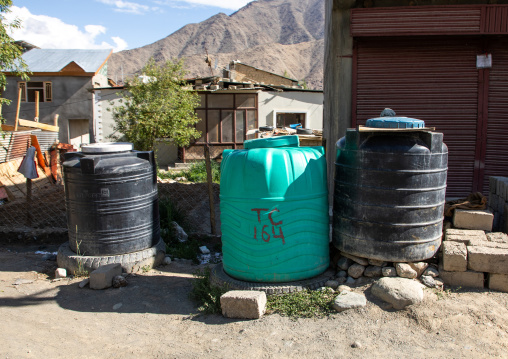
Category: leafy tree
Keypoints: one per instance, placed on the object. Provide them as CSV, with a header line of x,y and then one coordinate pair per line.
x,y
10,52
157,105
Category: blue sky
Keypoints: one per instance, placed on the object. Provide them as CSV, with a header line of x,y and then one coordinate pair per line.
x,y
115,24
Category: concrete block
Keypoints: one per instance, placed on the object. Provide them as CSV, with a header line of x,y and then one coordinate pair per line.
x,y
243,304
473,219
487,244
463,279
102,277
464,235
486,259
498,237
454,256
498,282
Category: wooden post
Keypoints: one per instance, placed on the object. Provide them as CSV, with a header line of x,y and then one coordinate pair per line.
x,y
36,106
210,188
28,202
55,120
17,110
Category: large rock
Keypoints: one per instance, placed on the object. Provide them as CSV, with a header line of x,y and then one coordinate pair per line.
x,y
399,292
349,300
243,304
102,277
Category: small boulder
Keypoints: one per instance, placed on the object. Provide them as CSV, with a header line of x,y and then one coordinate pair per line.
x,y
373,271
348,300
356,270
178,232
359,260
84,283
428,281
350,280
376,262
342,288
167,260
204,250
431,272
389,272
60,273
399,292
419,267
404,270
119,281
341,273
344,263
332,284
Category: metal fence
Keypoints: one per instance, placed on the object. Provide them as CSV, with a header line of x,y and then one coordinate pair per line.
x,y
184,183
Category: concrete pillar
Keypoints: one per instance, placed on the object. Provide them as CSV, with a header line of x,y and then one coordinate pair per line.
x,y
338,78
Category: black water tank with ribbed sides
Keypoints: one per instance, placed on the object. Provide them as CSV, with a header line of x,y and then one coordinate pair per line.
x,y
390,191
111,199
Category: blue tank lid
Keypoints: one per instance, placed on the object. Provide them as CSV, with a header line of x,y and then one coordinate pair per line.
x,y
395,122
388,119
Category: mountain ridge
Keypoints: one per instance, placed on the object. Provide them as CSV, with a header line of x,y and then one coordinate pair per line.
x,y
280,36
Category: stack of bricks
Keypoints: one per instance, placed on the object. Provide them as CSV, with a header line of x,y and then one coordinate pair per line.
x,y
472,258
498,198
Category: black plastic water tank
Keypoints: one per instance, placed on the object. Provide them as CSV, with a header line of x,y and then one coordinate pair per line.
x,y
390,191
111,199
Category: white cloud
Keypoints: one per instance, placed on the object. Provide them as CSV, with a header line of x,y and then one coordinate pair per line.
x,y
230,4
128,6
52,33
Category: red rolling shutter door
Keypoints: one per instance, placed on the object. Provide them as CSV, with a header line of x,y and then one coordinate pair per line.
x,y
435,80
496,154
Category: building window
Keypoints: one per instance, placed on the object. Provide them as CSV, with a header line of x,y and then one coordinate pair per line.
x,y
226,118
29,89
284,119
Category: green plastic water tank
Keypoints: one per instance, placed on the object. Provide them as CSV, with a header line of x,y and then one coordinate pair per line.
x,y
274,211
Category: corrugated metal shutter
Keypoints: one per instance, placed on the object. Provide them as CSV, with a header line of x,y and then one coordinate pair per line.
x,y
496,156
432,79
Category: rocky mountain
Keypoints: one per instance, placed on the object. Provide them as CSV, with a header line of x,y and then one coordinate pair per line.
x,y
280,36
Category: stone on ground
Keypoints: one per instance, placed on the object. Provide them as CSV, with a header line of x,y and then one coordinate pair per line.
x,y
344,263
348,300
243,304
119,281
419,267
399,292
178,232
376,262
389,272
359,260
84,283
428,281
356,270
60,273
167,260
404,270
102,277
342,288
373,271
332,284
431,272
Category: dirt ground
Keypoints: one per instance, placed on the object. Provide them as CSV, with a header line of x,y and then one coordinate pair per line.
x,y
153,318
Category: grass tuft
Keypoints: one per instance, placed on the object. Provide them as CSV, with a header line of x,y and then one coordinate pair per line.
x,y
206,294
304,304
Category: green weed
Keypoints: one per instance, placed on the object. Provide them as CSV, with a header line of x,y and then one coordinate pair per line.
x,y
304,304
206,294
196,172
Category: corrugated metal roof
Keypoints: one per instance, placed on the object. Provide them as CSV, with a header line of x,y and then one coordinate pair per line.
x,y
54,60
